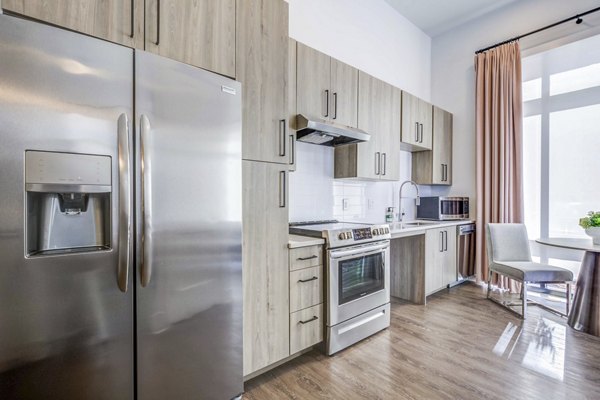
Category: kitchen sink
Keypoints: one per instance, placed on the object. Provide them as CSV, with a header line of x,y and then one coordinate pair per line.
x,y
410,224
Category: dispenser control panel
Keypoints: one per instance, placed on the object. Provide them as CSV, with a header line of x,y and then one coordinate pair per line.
x,y
67,168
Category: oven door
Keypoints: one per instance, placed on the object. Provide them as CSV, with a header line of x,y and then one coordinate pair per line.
x,y
358,280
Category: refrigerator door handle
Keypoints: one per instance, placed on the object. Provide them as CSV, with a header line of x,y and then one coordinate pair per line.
x,y
125,242
146,196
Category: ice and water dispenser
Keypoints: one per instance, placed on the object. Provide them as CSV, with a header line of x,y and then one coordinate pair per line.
x,y
68,202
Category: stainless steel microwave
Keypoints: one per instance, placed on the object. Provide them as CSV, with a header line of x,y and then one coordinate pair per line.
x,y
443,208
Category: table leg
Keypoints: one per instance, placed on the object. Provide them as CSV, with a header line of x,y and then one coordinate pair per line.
x,y
585,309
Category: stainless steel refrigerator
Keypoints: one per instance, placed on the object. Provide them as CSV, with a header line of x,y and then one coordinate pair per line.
x,y
120,222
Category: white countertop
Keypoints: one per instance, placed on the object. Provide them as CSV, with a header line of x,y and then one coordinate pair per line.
x,y
296,241
403,229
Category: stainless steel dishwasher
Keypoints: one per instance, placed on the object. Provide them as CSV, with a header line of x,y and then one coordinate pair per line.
x,y
465,253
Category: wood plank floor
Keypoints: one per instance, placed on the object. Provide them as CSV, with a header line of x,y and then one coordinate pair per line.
x,y
459,346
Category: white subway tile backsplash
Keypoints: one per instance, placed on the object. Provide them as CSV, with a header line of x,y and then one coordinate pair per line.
x,y
315,195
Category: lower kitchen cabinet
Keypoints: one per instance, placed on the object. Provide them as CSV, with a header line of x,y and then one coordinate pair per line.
x,y
265,269
306,328
440,258
306,297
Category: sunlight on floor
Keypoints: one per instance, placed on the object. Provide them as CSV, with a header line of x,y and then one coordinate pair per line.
x,y
543,349
546,353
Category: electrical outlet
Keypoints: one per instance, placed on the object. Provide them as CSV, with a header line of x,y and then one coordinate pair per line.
x,y
344,204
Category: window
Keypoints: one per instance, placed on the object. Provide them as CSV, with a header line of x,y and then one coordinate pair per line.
x,y
561,143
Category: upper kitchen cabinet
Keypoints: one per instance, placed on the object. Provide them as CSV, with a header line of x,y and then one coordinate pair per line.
x,y
417,116
379,158
196,32
262,65
119,21
435,167
326,88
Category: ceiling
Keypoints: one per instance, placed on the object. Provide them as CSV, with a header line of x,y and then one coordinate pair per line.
x,y
438,16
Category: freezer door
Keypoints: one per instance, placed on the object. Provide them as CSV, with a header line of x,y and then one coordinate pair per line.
x,y
66,318
189,293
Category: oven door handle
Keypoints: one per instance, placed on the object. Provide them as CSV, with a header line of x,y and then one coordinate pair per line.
x,y
356,252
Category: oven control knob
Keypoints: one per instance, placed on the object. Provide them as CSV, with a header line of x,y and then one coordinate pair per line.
x,y
387,230
348,235
342,236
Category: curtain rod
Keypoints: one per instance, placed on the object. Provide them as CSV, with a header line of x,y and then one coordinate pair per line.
x,y
577,19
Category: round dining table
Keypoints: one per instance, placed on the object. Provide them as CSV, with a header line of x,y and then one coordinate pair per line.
x,y
584,315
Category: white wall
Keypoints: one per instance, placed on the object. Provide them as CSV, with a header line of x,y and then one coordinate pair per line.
x,y
452,78
373,37
369,35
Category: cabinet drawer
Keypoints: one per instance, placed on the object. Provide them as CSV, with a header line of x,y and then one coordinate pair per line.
x,y
306,288
304,257
306,328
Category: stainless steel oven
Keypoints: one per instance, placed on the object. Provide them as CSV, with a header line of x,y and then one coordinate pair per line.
x,y
358,280
357,269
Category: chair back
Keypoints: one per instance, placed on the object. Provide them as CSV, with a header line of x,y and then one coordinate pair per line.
x,y
507,242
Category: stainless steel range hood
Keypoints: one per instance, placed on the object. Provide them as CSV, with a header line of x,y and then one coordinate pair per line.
x,y
327,133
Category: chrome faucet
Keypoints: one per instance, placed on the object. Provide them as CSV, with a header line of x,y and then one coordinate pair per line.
x,y
417,199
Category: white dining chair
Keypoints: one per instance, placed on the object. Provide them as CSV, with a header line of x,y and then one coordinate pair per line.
x,y
509,255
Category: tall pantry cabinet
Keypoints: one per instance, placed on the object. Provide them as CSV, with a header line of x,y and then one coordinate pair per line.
x,y
262,67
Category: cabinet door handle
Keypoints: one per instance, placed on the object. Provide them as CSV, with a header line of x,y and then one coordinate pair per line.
x,y
377,163
446,176
292,150
282,137
335,96
314,278
445,240
326,114
416,132
131,21
307,258
441,241
282,187
442,165
421,133
157,22
309,320
384,168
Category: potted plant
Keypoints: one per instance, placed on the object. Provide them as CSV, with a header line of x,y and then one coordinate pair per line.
x,y
591,224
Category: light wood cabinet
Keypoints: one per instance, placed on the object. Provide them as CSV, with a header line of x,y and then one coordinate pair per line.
x,y
306,288
305,257
291,92
379,158
435,167
306,328
327,89
120,21
262,68
306,297
196,32
417,119
440,258
265,264
344,94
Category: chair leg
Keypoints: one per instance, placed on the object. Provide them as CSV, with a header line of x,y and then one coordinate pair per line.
x,y
489,288
524,298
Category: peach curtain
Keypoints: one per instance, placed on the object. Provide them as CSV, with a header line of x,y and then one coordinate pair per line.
x,y
499,118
